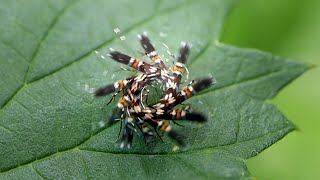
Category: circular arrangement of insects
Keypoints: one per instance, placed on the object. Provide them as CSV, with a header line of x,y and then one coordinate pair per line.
x,y
133,111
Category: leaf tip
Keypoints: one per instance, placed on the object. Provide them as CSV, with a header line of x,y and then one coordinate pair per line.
x,y
311,66
296,128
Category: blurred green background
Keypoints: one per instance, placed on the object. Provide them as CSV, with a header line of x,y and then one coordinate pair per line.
x,y
289,28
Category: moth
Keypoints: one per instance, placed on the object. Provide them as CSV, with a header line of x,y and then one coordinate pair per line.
x,y
132,110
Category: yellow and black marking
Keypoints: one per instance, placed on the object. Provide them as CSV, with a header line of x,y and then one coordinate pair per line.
x,y
134,112
155,57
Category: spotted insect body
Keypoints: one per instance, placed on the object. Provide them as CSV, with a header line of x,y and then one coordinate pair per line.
x,y
137,113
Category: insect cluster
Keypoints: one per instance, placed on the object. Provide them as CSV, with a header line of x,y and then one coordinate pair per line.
x,y
132,109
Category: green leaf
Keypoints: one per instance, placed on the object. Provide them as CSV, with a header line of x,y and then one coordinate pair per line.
x,y
52,127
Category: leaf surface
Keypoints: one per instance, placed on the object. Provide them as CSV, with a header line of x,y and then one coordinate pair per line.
x,y
52,127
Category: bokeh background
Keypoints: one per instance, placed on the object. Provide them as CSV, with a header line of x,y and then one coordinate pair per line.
x,y
289,28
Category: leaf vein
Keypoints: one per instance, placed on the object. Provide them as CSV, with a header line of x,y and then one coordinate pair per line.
x,y
15,50
86,170
237,125
11,97
45,35
24,107
106,42
202,52
243,81
164,154
221,88
14,20
191,167
1,126
195,150
34,55
36,170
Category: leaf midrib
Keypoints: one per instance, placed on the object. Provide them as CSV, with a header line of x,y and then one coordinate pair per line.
x,y
36,51
137,154
232,85
219,146
140,154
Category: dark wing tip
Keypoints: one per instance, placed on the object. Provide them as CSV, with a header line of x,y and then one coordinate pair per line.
x,y
184,52
203,84
119,57
194,116
104,90
145,43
